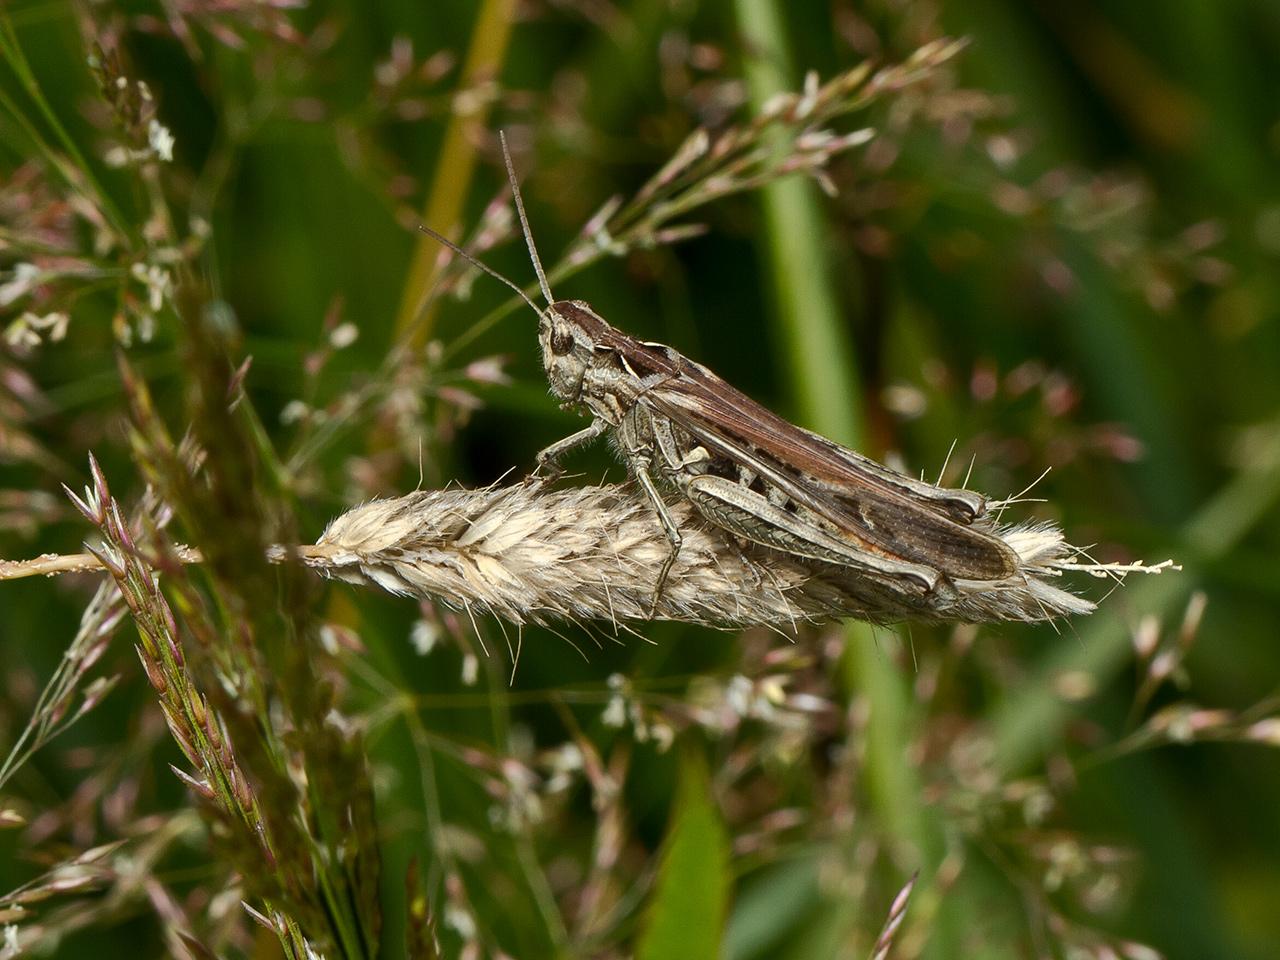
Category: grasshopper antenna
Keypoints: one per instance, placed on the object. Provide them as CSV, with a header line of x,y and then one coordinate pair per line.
x,y
524,221
442,239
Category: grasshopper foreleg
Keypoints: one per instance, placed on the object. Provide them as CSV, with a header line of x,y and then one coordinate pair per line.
x,y
548,459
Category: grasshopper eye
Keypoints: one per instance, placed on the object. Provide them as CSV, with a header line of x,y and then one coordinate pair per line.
x,y
561,341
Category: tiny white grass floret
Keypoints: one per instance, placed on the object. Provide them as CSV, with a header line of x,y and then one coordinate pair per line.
x,y
161,141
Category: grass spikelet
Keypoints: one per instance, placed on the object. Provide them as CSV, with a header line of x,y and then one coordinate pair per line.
x,y
527,554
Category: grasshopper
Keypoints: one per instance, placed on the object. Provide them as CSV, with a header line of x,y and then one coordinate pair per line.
x,y
680,427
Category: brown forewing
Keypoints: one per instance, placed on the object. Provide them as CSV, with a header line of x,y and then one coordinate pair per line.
x,y
831,481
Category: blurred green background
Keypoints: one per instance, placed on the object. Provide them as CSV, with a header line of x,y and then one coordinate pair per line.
x,y
1071,265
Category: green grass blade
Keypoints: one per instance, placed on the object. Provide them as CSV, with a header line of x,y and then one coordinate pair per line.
x,y
686,919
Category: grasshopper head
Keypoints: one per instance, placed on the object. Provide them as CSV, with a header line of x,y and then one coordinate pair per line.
x,y
568,333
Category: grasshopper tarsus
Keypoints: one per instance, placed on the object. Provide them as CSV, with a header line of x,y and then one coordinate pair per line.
x,y
545,472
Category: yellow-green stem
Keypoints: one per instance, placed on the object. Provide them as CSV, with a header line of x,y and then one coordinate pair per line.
x,y
826,391
455,167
